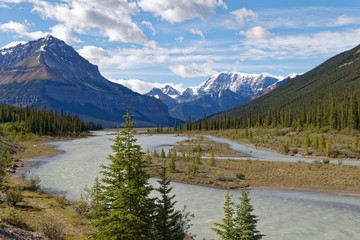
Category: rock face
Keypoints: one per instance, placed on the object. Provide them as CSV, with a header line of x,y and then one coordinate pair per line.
x,y
219,93
49,73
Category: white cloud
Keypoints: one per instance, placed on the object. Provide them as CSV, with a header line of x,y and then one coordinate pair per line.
x,y
143,87
180,39
62,32
198,32
304,46
257,33
5,3
149,26
344,20
181,10
95,55
193,70
21,29
244,15
111,18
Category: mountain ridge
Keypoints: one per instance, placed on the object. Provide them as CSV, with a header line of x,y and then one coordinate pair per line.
x,y
48,72
217,93
332,82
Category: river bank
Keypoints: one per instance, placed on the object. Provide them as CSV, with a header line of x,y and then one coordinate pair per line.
x,y
298,176
80,163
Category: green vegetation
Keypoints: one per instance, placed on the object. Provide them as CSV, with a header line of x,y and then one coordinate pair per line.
x,y
326,97
41,122
171,224
239,223
123,208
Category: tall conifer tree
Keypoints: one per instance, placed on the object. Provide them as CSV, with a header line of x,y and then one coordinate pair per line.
x,y
125,210
171,224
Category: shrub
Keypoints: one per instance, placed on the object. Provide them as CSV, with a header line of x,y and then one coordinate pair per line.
x,y
13,196
283,147
82,208
52,229
325,161
240,176
61,199
33,184
10,216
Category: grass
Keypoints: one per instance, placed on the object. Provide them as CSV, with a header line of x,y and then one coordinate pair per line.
x,y
317,176
38,207
345,144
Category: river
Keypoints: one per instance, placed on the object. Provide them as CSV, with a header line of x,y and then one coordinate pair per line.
x,y
282,214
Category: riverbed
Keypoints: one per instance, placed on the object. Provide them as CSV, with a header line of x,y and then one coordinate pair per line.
x,y
282,214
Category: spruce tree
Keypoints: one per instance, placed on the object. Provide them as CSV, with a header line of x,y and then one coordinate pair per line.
x,y
125,210
238,223
225,229
171,224
245,221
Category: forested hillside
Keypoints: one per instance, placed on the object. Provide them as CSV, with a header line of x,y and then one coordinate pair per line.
x,y
327,96
42,122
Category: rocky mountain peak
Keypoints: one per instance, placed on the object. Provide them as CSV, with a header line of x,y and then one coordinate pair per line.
x,y
48,72
170,91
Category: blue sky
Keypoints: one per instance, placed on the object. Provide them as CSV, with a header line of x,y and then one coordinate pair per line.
x,y
147,43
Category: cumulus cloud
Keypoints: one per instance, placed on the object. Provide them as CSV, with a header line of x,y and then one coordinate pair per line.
x,y
181,10
180,39
21,29
244,15
257,33
95,55
193,70
143,87
198,32
111,18
149,26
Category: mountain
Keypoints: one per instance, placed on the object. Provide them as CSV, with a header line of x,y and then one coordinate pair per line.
x,y
328,86
218,93
49,73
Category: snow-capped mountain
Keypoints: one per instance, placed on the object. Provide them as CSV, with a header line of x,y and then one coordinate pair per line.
x,y
218,93
48,72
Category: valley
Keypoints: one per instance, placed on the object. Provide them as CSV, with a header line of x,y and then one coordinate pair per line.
x,y
291,141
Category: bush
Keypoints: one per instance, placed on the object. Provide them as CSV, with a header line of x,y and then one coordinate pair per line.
x,y
62,200
52,229
13,196
82,208
10,216
325,161
33,184
240,176
283,147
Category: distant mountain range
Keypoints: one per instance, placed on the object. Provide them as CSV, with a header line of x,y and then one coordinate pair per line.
x,y
331,83
217,94
49,73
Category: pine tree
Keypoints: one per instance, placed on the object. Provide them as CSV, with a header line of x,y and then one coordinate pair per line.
x,y
245,221
238,223
225,229
162,154
171,224
125,209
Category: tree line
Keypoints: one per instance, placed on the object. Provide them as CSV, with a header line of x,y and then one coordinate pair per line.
x,y
43,122
332,113
122,207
